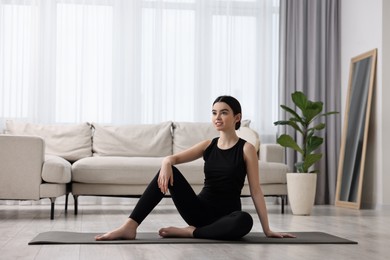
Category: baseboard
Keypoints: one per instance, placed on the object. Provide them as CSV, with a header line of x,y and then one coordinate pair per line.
x,y
375,206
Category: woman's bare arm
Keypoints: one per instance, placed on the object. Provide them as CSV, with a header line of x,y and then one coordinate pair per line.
x,y
191,154
252,165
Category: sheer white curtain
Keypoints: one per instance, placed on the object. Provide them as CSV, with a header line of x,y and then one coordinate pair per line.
x,y
138,61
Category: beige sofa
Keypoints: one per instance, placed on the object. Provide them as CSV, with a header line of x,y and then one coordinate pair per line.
x,y
108,160
26,173
35,160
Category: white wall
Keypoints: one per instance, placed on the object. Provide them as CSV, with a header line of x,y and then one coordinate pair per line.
x,y
363,28
386,102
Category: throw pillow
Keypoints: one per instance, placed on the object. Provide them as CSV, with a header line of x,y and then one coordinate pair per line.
x,y
144,140
71,142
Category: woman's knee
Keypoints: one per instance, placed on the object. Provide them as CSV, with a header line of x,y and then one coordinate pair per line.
x,y
244,219
241,224
175,170
176,174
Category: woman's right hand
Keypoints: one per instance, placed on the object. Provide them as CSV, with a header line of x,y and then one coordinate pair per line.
x,y
166,176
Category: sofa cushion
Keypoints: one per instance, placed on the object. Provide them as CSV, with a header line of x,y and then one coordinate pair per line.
x,y
146,140
56,170
71,142
186,134
129,170
116,170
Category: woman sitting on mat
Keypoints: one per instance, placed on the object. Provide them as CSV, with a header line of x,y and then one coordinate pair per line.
x,y
215,213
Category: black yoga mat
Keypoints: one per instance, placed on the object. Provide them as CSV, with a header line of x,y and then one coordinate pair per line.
x,y
64,237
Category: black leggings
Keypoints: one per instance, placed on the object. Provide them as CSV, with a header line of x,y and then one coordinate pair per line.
x,y
196,212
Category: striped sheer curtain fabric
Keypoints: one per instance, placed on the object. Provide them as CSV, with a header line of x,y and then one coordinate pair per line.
x,y
139,61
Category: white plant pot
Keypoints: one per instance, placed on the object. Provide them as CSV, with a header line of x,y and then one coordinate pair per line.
x,y
301,188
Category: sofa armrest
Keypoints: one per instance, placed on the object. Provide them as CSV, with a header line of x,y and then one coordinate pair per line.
x,y
21,160
271,153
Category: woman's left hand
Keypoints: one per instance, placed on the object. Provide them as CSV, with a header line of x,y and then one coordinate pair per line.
x,y
279,235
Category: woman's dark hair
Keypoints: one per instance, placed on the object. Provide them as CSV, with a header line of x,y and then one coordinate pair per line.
x,y
233,104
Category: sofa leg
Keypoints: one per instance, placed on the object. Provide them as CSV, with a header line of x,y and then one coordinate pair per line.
x,y
52,207
66,202
68,190
283,198
76,202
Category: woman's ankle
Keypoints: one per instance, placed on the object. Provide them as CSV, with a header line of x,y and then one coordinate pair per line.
x,y
131,223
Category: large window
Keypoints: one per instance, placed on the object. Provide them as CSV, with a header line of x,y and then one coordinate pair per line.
x,y
83,62
16,40
139,61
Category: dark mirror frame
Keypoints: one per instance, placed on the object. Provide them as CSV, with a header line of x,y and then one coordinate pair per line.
x,y
355,130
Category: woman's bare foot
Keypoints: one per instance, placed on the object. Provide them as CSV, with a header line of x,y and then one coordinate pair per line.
x,y
127,231
177,232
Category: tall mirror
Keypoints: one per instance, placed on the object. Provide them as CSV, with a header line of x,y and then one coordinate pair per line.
x,y
355,130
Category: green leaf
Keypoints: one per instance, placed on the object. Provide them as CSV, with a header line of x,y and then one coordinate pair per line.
x,y
290,123
295,126
312,110
318,127
292,112
281,122
310,132
287,141
310,160
330,113
299,100
313,143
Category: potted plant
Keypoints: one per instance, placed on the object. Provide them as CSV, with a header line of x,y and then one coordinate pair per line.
x,y
301,186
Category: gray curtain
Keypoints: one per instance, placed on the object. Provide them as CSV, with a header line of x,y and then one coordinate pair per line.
x,y
310,62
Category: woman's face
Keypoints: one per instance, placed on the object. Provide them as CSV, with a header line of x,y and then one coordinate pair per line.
x,y
223,117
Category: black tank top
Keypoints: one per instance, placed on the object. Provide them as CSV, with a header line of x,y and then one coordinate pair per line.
x,y
225,172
